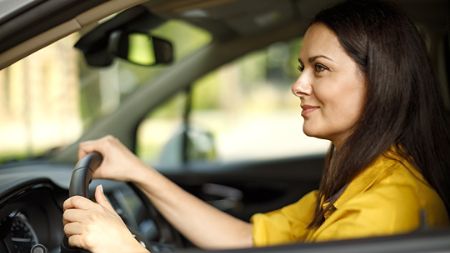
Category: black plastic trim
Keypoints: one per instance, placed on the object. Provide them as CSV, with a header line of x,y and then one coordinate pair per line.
x,y
435,241
41,18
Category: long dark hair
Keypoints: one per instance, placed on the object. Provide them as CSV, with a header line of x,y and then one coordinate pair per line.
x,y
403,106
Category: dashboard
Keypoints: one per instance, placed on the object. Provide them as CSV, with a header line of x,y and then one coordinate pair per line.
x,y
31,198
31,216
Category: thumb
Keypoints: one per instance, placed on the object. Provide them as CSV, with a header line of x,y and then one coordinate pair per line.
x,y
102,199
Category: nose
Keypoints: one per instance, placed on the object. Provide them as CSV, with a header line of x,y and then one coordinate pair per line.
x,y
302,86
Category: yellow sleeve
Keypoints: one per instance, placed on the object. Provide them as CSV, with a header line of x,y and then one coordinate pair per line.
x,y
385,210
285,225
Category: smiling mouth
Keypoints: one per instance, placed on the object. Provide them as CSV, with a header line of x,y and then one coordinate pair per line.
x,y
308,109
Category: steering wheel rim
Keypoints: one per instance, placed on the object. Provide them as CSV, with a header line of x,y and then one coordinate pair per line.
x,y
79,185
82,174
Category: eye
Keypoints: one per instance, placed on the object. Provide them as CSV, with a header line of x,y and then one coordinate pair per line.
x,y
300,68
319,68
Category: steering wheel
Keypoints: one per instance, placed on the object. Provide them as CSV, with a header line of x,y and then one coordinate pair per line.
x,y
168,237
79,185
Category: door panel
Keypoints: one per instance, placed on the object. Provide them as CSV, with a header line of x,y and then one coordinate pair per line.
x,y
264,185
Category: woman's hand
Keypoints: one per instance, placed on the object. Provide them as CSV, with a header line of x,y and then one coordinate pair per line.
x,y
96,226
119,163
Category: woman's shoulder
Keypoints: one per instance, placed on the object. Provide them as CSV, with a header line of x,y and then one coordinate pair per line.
x,y
397,191
394,171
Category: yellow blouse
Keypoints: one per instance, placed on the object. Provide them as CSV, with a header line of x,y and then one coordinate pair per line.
x,y
389,197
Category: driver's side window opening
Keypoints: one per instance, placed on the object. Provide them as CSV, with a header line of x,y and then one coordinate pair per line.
x,y
241,111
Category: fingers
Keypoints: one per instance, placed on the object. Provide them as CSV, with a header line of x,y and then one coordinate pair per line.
x,y
96,226
87,147
78,202
102,199
75,207
73,215
75,241
79,219
98,145
73,228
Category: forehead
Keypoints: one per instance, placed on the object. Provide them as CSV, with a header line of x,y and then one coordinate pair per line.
x,y
320,40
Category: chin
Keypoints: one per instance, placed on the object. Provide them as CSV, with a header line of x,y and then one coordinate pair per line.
x,y
311,132
314,132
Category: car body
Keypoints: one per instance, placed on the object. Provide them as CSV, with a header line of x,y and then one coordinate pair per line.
x,y
261,166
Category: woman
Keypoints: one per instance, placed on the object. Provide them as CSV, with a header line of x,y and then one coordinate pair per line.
x,y
367,86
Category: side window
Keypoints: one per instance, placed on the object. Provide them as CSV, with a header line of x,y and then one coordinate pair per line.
x,y
157,135
241,111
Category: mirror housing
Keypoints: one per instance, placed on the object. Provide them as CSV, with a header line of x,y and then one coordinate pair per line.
x,y
140,48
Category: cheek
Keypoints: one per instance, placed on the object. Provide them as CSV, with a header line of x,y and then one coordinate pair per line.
x,y
342,102
350,109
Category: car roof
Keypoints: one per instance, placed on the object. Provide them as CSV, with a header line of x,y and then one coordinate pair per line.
x,y
28,25
250,17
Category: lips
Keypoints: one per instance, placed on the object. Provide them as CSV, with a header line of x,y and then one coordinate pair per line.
x,y
308,109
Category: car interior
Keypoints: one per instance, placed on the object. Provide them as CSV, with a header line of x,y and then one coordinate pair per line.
x,y
184,107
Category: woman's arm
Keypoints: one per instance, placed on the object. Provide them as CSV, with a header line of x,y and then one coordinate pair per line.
x,y
204,225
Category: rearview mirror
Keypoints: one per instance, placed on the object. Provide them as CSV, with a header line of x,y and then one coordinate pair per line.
x,y
140,48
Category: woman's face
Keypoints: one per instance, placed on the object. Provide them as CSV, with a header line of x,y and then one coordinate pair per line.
x,y
331,87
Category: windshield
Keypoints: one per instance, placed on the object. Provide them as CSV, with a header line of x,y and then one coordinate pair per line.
x,y
50,97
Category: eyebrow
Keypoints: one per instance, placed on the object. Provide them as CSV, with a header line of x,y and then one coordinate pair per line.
x,y
313,58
